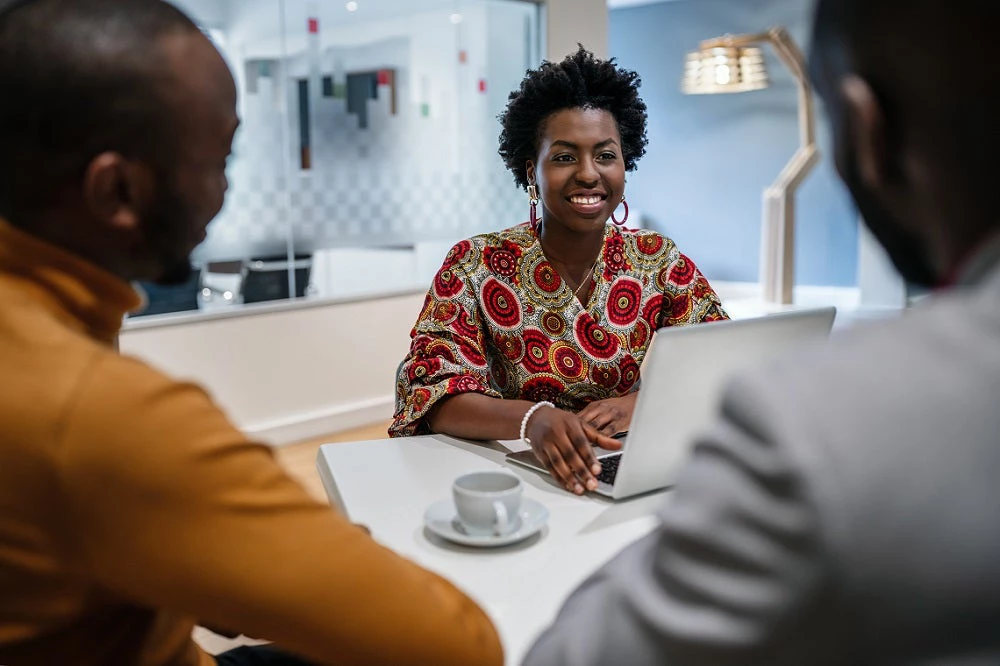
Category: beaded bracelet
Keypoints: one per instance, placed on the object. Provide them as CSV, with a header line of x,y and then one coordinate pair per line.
x,y
527,415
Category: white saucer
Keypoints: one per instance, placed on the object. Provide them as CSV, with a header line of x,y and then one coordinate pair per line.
x,y
442,519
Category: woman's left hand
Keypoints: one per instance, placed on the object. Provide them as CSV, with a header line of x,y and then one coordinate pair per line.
x,y
610,416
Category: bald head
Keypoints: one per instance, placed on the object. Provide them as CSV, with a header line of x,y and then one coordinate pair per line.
x,y
913,102
78,77
116,121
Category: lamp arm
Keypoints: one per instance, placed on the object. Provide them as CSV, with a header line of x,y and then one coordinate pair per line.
x,y
793,59
732,41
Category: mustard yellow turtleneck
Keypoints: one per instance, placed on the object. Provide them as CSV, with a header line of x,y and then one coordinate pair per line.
x,y
129,506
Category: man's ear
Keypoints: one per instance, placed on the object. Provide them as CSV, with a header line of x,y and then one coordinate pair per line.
x,y
866,132
529,168
114,190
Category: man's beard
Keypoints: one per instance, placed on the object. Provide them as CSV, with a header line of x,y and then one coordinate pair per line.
x,y
167,223
904,249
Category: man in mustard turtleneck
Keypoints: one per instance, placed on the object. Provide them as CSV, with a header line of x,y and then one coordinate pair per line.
x,y
129,506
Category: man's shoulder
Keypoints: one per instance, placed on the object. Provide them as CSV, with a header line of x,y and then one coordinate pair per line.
x,y
888,405
946,337
121,394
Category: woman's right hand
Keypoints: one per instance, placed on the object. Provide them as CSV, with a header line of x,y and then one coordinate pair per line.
x,y
563,442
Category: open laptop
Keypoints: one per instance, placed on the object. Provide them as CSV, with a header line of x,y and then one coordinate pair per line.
x,y
682,379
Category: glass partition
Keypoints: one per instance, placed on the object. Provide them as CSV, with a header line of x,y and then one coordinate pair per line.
x,y
368,144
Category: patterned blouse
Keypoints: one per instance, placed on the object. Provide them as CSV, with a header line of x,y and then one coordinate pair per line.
x,y
498,320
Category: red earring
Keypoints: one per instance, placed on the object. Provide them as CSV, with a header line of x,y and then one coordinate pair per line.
x,y
533,207
620,223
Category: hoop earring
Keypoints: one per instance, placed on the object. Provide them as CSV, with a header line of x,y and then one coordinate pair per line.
x,y
533,207
620,223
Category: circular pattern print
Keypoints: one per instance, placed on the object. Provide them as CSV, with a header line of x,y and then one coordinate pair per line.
x,y
546,277
445,312
503,260
420,398
661,278
471,353
638,337
423,368
511,346
501,305
597,343
554,324
465,384
542,282
615,258
543,387
653,310
629,374
500,375
447,283
650,249
680,307
536,351
463,255
567,362
465,325
623,302
682,272
605,376
441,350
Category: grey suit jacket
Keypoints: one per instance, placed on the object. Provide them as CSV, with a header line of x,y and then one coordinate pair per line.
x,y
844,509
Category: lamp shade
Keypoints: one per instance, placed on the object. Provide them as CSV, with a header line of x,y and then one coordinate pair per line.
x,y
724,69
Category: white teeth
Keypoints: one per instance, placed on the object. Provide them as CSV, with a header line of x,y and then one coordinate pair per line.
x,y
585,200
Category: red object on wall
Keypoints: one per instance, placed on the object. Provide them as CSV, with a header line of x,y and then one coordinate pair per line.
x,y
482,85
313,26
383,77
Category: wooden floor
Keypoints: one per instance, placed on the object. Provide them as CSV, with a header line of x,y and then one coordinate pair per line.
x,y
299,460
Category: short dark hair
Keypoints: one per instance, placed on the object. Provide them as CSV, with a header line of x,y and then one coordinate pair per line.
x,y
78,78
580,81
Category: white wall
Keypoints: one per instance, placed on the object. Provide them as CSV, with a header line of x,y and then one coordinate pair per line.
x,y
207,13
569,22
300,373
291,375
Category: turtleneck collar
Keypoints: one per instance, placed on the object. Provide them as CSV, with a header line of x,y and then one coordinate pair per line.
x,y
86,294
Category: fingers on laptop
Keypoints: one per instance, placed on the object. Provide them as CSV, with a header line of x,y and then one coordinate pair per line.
x,y
604,415
602,440
584,461
570,458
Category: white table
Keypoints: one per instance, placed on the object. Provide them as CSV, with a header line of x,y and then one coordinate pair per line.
x,y
387,484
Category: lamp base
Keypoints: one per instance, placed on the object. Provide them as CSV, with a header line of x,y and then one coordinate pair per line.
x,y
777,250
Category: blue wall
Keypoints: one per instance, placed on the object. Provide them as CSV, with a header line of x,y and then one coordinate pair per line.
x,y
711,156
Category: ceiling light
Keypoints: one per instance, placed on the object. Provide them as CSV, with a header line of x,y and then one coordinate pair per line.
x,y
351,6
455,18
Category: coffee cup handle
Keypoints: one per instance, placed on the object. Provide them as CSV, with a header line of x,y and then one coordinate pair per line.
x,y
502,519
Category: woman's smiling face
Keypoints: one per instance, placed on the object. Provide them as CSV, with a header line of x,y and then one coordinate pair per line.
x,y
580,171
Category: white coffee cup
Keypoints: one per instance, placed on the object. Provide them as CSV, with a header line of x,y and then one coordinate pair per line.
x,y
487,502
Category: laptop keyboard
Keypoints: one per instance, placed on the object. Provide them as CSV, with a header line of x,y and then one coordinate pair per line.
x,y
609,469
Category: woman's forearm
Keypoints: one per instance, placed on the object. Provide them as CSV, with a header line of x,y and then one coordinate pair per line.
x,y
478,416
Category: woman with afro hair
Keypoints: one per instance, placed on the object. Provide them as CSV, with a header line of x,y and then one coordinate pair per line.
x,y
538,331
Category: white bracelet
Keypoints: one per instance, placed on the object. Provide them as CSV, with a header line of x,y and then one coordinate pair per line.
x,y
527,415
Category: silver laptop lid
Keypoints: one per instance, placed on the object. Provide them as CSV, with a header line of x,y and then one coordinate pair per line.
x,y
682,380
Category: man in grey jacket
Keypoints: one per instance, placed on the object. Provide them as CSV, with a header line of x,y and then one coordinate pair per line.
x,y
845,506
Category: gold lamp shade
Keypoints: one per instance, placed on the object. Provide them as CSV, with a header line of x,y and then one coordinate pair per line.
x,y
724,69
